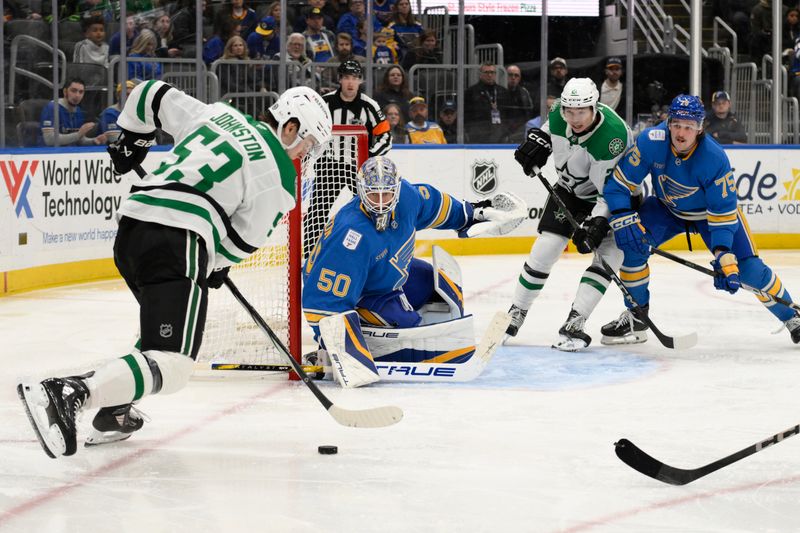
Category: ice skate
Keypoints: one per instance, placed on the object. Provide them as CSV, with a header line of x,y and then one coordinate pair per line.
x,y
517,318
113,424
52,407
627,329
793,325
571,337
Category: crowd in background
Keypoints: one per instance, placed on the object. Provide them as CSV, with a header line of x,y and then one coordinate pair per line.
x,y
335,31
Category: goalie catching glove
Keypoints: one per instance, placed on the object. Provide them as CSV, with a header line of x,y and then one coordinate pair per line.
x,y
130,149
498,216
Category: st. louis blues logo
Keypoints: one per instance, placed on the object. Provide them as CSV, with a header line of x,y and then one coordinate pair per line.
x,y
17,178
672,190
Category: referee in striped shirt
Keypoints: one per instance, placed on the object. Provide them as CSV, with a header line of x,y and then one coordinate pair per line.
x,y
349,106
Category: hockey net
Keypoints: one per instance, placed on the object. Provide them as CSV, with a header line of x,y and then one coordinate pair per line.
x,y
270,278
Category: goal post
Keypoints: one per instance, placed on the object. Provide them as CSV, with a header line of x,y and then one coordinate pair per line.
x,y
271,278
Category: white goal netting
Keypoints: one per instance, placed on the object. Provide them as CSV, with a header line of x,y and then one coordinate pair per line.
x,y
270,278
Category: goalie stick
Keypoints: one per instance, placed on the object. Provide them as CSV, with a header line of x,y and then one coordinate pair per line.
x,y
709,272
677,343
633,456
364,418
413,372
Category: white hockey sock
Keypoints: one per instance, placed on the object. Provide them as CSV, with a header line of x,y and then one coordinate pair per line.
x,y
120,381
591,289
544,254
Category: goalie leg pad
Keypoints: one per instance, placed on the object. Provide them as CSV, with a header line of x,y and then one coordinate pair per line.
x,y
445,342
350,357
447,281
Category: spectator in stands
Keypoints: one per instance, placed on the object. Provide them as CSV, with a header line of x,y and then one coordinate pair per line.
x,y
558,75
426,52
184,23
215,46
93,8
419,129
239,13
721,123
404,24
382,54
348,23
326,12
144,46
264,43
791,31
448,121
484,105
138,6
93,49
396,122
163,29
760,30
319,41
794,70
383,10
612,89
519,105
537,121
737,14
131,33
344,49
360,42
274,11
72,131
296,51
236,78
394,89
108,117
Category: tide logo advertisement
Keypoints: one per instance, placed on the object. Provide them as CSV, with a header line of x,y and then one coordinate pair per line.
x,y
17,177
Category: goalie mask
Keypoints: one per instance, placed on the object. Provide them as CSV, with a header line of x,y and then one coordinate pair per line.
x,y
308,108
378,188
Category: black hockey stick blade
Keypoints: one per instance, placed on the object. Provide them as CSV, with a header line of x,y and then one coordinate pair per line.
x,y
636,458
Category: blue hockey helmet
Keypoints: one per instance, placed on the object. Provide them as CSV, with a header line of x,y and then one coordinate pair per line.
x,y
378,185
687,107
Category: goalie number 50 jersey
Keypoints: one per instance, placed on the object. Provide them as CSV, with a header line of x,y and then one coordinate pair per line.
x,y
228,178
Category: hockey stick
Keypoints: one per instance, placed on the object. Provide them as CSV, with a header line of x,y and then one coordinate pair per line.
x,y
677,343
709,272
364,418
413,372
640,461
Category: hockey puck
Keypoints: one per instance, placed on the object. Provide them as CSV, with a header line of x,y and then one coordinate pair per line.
x,y
328,450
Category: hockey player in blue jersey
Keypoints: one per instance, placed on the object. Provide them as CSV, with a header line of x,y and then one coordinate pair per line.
x,y
363,266
695,192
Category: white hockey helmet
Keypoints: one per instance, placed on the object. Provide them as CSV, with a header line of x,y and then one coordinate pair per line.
x,y
579,92
378,175
308,107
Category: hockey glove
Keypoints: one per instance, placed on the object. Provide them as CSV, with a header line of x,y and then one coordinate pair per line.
x,y
590,234
629,233
534,150
130,149
217,278
726,271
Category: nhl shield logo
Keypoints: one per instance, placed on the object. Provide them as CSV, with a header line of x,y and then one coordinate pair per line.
x,y
484,176
165,330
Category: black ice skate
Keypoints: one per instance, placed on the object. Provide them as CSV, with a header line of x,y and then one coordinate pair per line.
x,y
571,336
793,325
517,318
113,424
627,329
52,407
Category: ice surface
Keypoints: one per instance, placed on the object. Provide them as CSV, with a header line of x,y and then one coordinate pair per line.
x,y
527,447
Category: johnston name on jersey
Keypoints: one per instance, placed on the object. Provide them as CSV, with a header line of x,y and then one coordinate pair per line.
x,y
354,260
583,162
699,185
228,178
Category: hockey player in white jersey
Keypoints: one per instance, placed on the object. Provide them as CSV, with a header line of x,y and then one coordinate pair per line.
x,y
213,201
586,138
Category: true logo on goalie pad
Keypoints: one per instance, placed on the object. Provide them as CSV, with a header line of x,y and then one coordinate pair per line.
x,y
165,330
351,240
484,176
